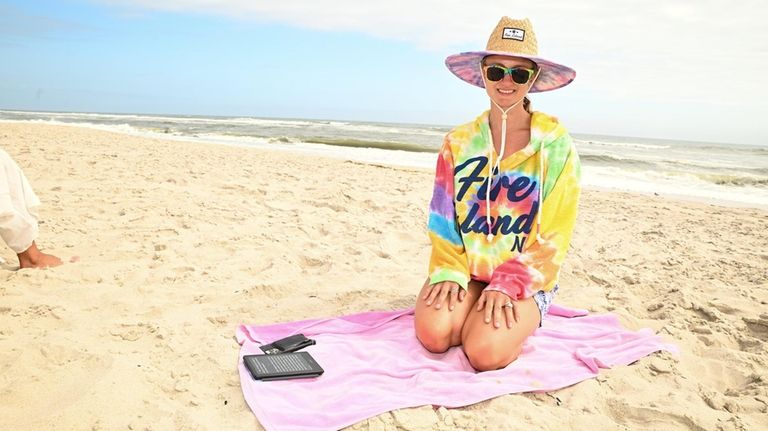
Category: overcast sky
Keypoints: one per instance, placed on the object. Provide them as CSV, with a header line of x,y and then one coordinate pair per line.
x,y
660,69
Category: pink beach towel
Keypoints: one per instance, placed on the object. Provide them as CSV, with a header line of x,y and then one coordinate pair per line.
x,y
374,363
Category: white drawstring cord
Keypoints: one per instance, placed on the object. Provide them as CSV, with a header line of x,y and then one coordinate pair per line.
x,y
493,166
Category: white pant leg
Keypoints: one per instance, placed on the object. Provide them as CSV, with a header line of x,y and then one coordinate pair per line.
x,y
18,206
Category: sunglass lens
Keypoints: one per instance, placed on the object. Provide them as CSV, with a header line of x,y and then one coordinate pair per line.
x,y
520,76
494,73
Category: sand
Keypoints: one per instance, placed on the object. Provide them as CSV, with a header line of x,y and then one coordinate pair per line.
x,y
180,242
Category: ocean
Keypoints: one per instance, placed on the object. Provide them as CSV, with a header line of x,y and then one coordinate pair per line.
x,y
704,171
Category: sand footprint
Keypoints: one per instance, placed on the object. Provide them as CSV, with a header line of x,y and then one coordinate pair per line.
x,y
134,332
636,417
321,264
262,290
29,381
758,327
323,204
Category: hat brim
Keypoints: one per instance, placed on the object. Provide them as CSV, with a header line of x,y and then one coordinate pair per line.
x,y
466,66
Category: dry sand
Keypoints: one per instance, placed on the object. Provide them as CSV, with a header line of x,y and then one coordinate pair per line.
x,y
180,242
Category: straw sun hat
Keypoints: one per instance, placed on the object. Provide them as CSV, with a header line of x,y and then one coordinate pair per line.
x,y
515,38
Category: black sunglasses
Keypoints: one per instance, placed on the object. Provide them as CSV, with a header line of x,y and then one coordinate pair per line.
x,y
520,75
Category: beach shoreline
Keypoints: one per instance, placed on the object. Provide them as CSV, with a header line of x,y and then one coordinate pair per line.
x,y
179,242
398,159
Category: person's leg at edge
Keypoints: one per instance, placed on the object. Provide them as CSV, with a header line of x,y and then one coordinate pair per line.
x,y
18,216
490,348
32,257
439,329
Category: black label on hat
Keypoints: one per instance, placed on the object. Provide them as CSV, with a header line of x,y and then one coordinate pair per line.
x,y
513,33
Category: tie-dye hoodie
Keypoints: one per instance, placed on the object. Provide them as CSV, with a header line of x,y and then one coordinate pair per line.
x,y
511,261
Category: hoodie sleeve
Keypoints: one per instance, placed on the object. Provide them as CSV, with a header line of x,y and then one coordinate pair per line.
x,y
538,267
449,260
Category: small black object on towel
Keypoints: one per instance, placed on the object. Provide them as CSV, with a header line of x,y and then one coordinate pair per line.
x,y
287,344
281,366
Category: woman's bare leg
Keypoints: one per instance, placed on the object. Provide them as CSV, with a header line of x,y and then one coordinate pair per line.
x,y
491,348
439,329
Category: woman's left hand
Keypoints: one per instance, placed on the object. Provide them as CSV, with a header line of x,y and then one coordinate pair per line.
x,y
497,306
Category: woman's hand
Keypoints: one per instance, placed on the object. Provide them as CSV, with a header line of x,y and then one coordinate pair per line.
x,y
497,306
438,292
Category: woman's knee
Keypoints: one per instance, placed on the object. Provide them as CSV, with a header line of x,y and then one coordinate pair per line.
x,y
434,339
485,355
437,330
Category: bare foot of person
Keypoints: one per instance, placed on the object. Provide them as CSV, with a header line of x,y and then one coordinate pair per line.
x,y
34,258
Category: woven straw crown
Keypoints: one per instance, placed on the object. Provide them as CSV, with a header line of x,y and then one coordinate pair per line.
x,y
528,45
516,38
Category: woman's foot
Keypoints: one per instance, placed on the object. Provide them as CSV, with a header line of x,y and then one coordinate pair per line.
x,y
34,258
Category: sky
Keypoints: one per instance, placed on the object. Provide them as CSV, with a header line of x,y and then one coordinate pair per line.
x,y
685,70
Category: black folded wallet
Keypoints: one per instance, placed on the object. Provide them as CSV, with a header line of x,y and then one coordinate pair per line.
x,y
287,344
282,366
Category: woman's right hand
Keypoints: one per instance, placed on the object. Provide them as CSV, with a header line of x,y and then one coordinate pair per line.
x,y
438,292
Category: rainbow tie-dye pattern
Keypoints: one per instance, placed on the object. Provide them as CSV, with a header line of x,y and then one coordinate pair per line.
x,y
512,261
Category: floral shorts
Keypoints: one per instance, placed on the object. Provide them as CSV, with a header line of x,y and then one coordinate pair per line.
x,y
544,300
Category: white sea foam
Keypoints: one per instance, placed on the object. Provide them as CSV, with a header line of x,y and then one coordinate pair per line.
x,y
364,155
588,142
667,184
174,119
388,129
98,116
249,121
125,129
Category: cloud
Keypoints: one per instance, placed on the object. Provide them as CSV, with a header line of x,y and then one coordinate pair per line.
x,y
697,59
440,24
676,48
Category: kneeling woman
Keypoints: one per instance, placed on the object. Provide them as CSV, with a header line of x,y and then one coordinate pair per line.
x,y
497,251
